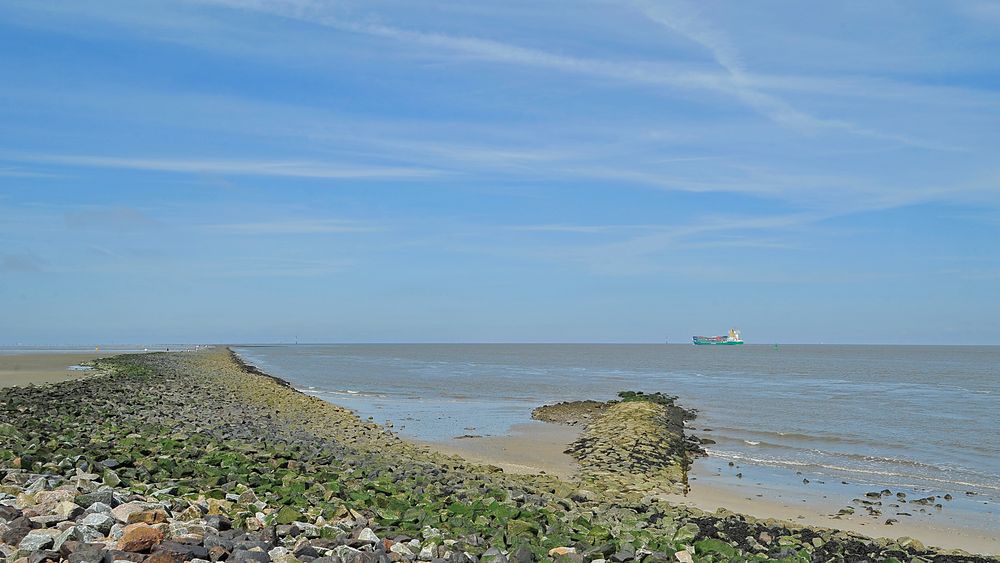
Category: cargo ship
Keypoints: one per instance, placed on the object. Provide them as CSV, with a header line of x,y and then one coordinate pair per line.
x,y
732,338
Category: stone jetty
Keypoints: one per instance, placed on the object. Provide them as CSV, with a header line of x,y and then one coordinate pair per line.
x,y
632,446
194,456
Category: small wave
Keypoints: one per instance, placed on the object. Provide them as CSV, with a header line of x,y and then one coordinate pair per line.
x,y
79,368
790,463
751,443
794,436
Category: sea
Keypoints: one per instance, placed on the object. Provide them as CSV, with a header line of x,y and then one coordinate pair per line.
x,y
836,420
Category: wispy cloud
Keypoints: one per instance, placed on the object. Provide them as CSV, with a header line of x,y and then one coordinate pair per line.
x,y
119,218
10,172
243,167
21,263
656,74
293,227
683,19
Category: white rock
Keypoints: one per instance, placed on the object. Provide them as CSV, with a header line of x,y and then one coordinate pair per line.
x,y
401,549
368,535
430,533
428,552
306,529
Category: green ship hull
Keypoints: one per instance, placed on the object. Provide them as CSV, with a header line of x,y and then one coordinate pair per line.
x,y
731,339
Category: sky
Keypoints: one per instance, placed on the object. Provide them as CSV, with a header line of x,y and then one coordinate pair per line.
x,y
543,171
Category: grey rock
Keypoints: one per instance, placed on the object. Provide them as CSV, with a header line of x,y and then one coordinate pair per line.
x,y
87,554
86,534
181,550
68,534
98,521
220,523
98,508
106,497
242,556
347,553
492,555
37,539
48,519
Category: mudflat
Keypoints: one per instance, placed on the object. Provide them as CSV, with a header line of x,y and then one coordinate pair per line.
x,y
38,368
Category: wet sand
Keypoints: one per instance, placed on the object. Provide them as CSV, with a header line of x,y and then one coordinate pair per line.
x,y
538,448
37,368
530,448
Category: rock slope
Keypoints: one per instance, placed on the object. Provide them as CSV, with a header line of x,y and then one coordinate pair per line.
x,y
192,456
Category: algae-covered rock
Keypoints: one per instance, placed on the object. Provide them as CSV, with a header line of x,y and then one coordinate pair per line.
x,y
287,515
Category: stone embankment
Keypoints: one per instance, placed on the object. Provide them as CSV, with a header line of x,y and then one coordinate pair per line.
x,y
196,457
632,446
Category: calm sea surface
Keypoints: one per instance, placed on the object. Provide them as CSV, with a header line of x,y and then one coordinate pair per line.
x,y
924,418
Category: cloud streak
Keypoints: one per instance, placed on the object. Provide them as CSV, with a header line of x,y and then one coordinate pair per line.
x,y
293,227
734,82
236,167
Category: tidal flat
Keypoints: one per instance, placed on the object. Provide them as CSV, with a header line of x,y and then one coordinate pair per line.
x,y
191,456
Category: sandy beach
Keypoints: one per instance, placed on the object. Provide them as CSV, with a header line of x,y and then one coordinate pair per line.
x,y
530,448
539,448
37,368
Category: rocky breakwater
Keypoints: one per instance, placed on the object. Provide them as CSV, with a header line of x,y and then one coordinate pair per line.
x,y
633,446
194,457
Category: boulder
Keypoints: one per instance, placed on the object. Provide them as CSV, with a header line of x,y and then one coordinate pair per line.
x,y
153,516
106,497
86,534
37,540
139,537
100,522
123,511
16,530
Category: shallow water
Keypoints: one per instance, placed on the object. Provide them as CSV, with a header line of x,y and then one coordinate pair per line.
x,y
924,419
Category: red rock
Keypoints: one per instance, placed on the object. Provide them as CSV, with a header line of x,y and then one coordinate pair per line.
x,y
140,537
155,516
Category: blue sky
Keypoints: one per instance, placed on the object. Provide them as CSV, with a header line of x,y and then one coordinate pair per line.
x,y
242,170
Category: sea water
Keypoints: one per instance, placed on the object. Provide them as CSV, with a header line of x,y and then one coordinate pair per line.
x,y
924,419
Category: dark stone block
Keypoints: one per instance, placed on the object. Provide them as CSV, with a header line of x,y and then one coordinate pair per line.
x,y
218,522
45,556
86,500
185,551
16,530
244,556
8,513
115,555
86,553
306,550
